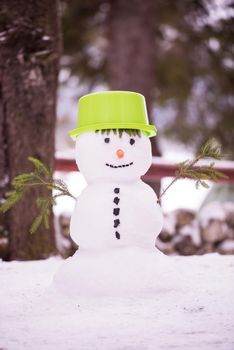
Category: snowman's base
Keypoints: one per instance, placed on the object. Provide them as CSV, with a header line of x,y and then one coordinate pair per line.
x,y
116,273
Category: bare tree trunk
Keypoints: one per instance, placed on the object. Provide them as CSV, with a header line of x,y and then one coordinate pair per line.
x,y
29,58
131,53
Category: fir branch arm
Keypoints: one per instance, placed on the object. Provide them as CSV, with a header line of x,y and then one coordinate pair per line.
x,y
41,176
188,168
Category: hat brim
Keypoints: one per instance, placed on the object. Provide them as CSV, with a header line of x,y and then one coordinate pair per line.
x,y
150,130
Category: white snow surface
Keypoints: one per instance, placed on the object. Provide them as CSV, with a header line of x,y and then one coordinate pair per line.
x,y
196,312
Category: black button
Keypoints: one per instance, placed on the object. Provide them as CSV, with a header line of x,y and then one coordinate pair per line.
x,y
116,223
116,200
116,211
117,235
116,190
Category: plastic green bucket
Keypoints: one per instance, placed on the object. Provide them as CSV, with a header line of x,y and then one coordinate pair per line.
x,y
112,110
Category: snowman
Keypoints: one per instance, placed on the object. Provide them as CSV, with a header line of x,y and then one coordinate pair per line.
x,y
116,218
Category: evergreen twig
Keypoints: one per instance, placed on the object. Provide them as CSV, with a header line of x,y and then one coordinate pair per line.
x,y
40,177
210,150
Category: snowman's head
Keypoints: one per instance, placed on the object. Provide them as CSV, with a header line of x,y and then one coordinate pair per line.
x,y
113,155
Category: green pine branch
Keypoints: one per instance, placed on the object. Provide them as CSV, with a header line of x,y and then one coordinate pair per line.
x,y
41,176
210,150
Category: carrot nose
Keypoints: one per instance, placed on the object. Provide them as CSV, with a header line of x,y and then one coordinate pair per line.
x,y
120,153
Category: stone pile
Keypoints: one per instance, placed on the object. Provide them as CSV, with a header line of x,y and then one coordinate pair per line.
x,y
209,230
184,232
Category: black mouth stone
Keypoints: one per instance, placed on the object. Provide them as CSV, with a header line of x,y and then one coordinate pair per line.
x,y
119,166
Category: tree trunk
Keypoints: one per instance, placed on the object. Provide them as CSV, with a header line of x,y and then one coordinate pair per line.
x,y
29,58
131,52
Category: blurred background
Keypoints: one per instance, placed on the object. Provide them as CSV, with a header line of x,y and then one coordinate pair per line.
x,y
178,54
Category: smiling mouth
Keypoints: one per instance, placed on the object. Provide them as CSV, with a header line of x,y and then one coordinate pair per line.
x,y
119,166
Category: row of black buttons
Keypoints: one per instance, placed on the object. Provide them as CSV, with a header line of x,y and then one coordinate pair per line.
x,y
116,212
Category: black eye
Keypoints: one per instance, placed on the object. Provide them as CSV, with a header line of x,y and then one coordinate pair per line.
x,y
107,140
132,141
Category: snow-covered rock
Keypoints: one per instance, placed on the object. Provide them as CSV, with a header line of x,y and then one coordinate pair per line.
x,y
226,247
214,211
215,231
184,217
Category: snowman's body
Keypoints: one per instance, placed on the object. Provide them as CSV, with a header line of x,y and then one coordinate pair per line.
x,y
115,215
117,209
116,218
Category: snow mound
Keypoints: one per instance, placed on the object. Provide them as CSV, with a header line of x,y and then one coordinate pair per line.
x,y
129,271
198,315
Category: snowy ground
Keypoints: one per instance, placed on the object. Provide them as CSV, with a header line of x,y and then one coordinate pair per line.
x,y
200,315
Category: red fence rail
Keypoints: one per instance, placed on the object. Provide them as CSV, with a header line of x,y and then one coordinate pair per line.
x,y
157,171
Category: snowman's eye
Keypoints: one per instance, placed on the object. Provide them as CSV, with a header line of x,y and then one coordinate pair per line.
x,y
107,140
132,141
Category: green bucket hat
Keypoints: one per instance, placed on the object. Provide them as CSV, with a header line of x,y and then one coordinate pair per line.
x,y
112,110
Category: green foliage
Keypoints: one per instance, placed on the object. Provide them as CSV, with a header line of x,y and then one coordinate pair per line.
x,y
41,176
211,149
189,168
194,69
130,132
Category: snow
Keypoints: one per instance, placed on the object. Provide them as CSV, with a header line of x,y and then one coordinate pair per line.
x,y
214,211
169,224
98,222
118,277
76,183
180,195
227,245
197,315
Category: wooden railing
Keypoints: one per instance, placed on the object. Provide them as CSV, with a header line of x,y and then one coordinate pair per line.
x,y
159,168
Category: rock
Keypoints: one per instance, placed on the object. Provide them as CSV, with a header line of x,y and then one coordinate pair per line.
x,y
215,231
165,247
169,227
165,236
226,247
184,245
65,245
184,217
206,248
211,212
117,235
64,222
192,230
